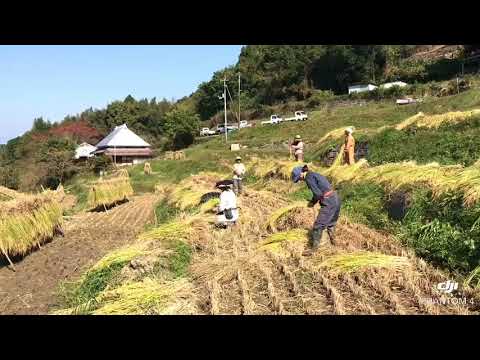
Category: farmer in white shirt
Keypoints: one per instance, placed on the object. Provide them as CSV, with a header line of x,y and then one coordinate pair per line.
x,y
227,212
238,172
297,148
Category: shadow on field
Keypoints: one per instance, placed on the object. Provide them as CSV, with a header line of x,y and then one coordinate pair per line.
x,y
103,208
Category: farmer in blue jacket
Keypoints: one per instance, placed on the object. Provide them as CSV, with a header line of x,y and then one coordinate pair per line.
x,y
329,202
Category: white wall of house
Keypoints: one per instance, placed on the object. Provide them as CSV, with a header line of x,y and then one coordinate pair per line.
x,y
84,151
361,88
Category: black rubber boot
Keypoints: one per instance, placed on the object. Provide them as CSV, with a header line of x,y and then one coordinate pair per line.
x,y
314,243
316,239
324,239
331,234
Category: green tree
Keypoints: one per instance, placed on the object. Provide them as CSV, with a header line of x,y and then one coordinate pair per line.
x,y
41,125
180,127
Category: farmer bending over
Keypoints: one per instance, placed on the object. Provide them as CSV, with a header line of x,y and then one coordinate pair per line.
x,y
227,212
329,206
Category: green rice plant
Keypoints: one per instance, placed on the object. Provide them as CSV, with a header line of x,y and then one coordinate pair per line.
x,y
352,262
179,260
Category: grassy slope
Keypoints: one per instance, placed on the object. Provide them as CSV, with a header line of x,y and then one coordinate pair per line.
x,y
361,202
439,230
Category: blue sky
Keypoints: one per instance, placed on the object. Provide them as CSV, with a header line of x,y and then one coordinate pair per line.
x,y
54,81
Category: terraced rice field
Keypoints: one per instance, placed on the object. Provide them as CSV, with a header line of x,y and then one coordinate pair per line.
x,y
88,237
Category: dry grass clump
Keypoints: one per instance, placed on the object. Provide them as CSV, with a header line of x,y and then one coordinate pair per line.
x,y
276,242
174,230
28,221
209,205
147,297
8,194
352,262
333,135
409,121
106,192
473,280
119,256
188,192
272,168
263,168
297,218
274,218
435,121
184,197
439,178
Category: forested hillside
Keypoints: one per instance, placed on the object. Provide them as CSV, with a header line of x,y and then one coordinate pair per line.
x,y
43,156
272,74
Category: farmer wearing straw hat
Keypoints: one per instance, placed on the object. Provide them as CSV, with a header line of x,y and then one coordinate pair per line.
x,y
329,206
238,172
227,211
297,148
349,150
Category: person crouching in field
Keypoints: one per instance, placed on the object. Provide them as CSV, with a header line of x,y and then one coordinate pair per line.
x,y
227,211
329,201
238,172
349,150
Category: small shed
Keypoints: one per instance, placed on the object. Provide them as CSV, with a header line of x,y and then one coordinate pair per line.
x,y
395,83
357,88
84,151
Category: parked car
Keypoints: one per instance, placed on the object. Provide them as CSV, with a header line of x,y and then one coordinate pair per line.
x,y
299,116
244,124
221,128
274,119
406,101
207,132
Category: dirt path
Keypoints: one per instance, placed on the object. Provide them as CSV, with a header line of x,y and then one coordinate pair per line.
x,y
88,237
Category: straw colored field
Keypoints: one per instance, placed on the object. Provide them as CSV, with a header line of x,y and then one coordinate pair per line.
x,y
32,289
257,268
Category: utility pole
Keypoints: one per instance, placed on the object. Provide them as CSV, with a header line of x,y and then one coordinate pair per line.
x,y
238,101
225,106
